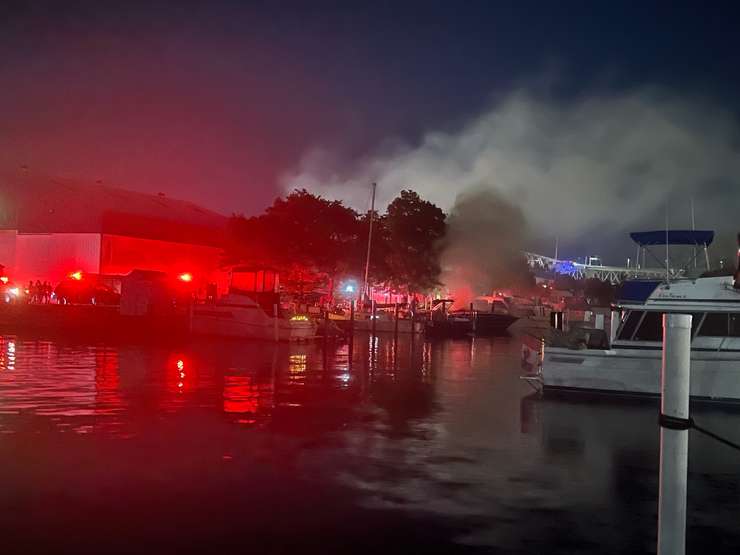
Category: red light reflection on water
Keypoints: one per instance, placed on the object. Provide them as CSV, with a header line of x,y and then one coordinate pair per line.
x,y
107,381
241,394
180,374
7,356
245,396
180,364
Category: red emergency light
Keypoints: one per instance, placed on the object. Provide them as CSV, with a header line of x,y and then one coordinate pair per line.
x,y
186,277
77,276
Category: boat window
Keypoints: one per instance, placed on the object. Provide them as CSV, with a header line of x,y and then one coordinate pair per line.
x,y
735,325
630,323
244,281
651,327
714,325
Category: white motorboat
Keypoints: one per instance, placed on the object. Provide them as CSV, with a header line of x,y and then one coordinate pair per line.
x,y
632,362
250,309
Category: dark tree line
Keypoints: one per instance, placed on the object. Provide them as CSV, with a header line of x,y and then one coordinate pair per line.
x,y
312,240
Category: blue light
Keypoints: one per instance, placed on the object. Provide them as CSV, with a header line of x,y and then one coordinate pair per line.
x,y
565,267
349,288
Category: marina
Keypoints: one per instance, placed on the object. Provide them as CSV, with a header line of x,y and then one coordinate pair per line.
x,y
363,277
280,442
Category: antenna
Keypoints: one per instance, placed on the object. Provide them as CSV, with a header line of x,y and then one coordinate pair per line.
x,y
736,281
667,252
693,228
369,242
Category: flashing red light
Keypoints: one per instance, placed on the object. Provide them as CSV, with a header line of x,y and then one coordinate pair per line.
x,y
4,279
180,364
186,277
77,276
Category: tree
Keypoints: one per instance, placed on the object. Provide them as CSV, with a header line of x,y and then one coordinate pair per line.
x,y
411,230
300,235
304,234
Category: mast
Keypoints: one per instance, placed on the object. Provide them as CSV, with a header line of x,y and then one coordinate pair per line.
x,y
667,252
693,228
369,241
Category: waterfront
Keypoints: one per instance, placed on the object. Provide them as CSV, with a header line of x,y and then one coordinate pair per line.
x,y
218,445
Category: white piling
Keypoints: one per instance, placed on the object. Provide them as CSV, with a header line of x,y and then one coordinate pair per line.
x,y
674,434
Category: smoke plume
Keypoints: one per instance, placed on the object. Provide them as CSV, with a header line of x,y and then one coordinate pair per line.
x,y
483,244
586,171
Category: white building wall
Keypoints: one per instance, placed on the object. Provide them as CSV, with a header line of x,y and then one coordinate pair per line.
x,y
53,256
7,250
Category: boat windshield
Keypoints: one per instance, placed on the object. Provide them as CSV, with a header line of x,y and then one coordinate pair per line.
x,y
647,325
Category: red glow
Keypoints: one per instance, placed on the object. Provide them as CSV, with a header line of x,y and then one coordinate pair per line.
x,y
77,276
4,279
186,277
241,394
180,364
120,255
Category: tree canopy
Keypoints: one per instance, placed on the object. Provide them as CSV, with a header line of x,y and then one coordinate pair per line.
x,y
300,229
303,235
412,228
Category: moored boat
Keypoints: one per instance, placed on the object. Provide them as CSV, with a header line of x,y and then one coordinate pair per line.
x,y
631,362
251,310
238,315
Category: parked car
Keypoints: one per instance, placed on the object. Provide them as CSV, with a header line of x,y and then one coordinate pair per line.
x,y
86,289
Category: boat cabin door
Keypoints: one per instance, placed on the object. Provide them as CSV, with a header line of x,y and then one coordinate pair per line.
x,y
253,281
261,285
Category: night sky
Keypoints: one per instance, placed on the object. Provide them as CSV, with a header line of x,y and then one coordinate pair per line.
x,y
215,101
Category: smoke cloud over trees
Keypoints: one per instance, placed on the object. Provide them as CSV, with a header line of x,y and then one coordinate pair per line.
x,y
587,170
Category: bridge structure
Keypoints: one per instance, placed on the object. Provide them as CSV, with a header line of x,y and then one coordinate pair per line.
x,y
698,240
612,274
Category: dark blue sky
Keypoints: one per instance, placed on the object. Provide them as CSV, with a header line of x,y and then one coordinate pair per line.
x,y
212,101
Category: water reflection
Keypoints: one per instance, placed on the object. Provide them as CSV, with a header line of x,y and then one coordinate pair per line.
x,y
439,442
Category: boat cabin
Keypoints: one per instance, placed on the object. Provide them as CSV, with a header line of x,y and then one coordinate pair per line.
x,y
713,302
259,284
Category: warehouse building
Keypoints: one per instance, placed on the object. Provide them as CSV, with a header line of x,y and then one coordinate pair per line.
x,y
50,228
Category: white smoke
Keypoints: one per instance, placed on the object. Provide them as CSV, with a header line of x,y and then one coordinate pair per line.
x,y
612,162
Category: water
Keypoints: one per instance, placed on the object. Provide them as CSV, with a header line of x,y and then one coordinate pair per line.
x,y
218,446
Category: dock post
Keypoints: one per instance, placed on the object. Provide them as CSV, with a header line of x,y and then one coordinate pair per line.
x,y
674,433
351,330
413,331
372,315
326,324
395,323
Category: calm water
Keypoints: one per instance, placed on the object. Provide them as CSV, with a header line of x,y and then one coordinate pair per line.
x,y
221,446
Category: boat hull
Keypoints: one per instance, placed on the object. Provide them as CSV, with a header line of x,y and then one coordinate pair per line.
x,y
248,323
484,325
714,375
382,326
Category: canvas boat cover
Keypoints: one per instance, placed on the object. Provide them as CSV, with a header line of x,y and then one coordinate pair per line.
x,y
673,237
